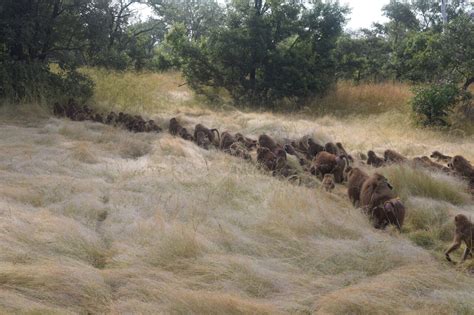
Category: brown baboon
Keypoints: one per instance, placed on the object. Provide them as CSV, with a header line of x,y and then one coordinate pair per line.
x,y
111,118
265,141
461,166
322,164
328,182
331,148
391,212
174,127
210,134
249,143
374,160
266,158
291,151
301,144
355,179
391,156
239,150
463,233
342,151
202,139
226,141
374,192
98,118
151,126
440,157
183,133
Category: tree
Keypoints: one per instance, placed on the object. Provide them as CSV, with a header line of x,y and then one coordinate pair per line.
x,y
265,51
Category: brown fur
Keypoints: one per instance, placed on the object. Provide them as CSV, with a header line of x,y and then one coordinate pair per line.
x,y
461,166
391,156
328,182
266,158
331,148
464,232
391,212
239,150
355,179
210,134
313,148
265,141
440,157
425,162
202,139
374,160
375,191
249,143
226,141
111,118
174,126
325,163
343,152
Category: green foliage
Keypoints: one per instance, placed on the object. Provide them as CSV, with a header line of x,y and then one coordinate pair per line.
x,y
264,52
434,102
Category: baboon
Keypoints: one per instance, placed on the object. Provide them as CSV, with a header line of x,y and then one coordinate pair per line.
x,y
355,179
98,118
391,156
328,182
111,118
374,160
438,156
202,139
151,126
291,151
183,133
301,144
226,141
266,158
313,148
463,233
461,166
374,192
265,141
249,143
342,151
325,163
322,164
174,126
239,150
210,134
331,148
391,212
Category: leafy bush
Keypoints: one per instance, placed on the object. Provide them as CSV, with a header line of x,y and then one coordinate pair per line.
x,y
434,102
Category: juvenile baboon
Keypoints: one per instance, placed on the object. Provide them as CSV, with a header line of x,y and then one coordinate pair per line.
x,y
463,233
266,158
461,166
249,143
374,160
391,156
331,148
210,134
440,157
265,141
374,192
183,133
328,182
355,179
226,141
391,212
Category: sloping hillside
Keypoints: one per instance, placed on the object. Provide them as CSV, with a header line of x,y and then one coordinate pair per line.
x,y
95,219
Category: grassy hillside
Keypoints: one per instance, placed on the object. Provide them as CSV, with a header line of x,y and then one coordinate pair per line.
x,y
95,219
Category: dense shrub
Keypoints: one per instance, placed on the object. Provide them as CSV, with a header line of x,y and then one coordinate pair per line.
x,y
434,102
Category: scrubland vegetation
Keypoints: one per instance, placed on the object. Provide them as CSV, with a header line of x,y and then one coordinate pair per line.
x,y
97,219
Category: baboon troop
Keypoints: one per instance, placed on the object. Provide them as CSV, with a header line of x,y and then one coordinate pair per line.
x,y
463,233
330,163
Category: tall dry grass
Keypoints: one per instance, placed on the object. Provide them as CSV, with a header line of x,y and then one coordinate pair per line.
x,y
99,220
